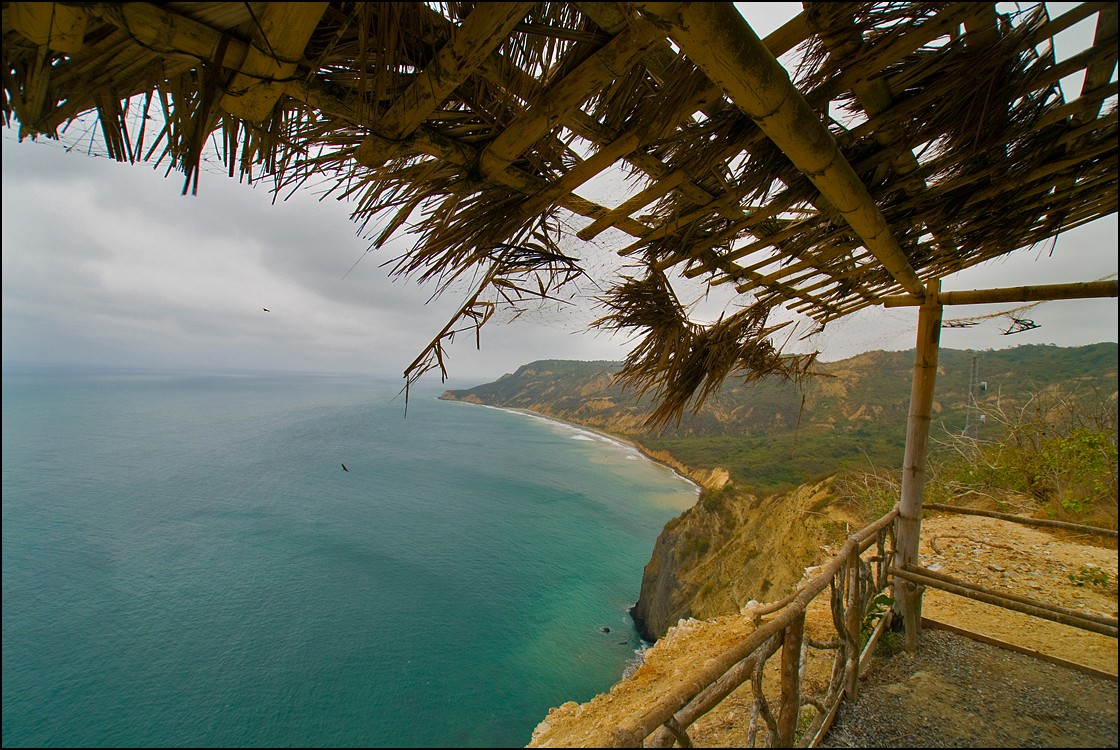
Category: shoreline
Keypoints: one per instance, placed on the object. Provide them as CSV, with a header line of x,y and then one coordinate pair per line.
x,y
618,440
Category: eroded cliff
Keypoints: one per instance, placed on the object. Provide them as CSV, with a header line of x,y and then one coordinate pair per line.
x,y
732,547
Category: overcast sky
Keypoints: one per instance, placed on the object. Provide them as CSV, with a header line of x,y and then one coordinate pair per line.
x,y
108,264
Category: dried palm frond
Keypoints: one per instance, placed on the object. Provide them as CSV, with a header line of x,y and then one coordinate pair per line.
x,y
863,30
533,269
681,363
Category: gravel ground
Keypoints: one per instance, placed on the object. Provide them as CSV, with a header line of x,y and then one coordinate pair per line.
x,y
957,692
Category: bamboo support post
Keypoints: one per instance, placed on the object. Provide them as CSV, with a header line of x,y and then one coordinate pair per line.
x,y
1040,522
790,707
908,600
990,597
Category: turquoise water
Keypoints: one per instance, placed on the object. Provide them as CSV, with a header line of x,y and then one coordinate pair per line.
x,y
185,563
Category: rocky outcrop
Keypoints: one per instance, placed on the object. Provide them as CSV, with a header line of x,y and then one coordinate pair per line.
x,y
709,479
732,547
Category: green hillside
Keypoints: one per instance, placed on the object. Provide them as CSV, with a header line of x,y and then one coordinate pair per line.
x,y
774,434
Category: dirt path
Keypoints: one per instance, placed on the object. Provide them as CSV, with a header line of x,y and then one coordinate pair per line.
x,y
957,692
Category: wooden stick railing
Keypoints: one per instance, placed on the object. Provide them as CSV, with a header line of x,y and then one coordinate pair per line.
x,y
852,581
1041,522
1031,607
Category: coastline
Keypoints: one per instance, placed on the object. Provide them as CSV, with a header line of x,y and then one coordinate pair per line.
x,y
616,439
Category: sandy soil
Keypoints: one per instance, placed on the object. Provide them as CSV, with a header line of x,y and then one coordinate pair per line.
x,y
997,554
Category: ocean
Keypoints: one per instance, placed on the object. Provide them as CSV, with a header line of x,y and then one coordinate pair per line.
x,y
187,563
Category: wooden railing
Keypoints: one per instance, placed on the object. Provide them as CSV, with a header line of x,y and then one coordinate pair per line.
x,y
924,577
854,576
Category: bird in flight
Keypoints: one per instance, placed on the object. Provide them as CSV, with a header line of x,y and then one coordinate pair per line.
x,y
266,309
344,468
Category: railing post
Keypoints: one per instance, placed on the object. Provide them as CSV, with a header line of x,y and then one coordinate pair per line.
x,y
792,643
852,621
908,597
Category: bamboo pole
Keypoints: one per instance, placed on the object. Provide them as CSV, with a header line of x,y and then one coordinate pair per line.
x,y
278,43
719,42
908,599
971,592
470,44
790,704
1041,522
554,103
58,26
1037,293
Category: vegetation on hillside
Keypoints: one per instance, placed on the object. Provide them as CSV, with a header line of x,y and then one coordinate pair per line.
x,y
1054,455
774,435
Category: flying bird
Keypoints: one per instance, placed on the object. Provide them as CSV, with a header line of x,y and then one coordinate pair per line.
x,y
266,309
344,468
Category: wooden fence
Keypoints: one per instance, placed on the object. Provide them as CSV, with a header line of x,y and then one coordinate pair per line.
x,y
854,576
861,571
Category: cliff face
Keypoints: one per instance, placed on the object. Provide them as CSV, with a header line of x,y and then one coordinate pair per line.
x,y
732,547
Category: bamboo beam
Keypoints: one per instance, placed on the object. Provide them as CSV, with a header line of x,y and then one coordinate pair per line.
x,y
173,35
654,191
723,45
611,152
1100,73
908,527
1040,522
59,26
1055,26
1037,293
470,45
276,48
559,99
426,141
780,41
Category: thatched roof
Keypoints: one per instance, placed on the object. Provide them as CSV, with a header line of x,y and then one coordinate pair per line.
x,y
916,140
